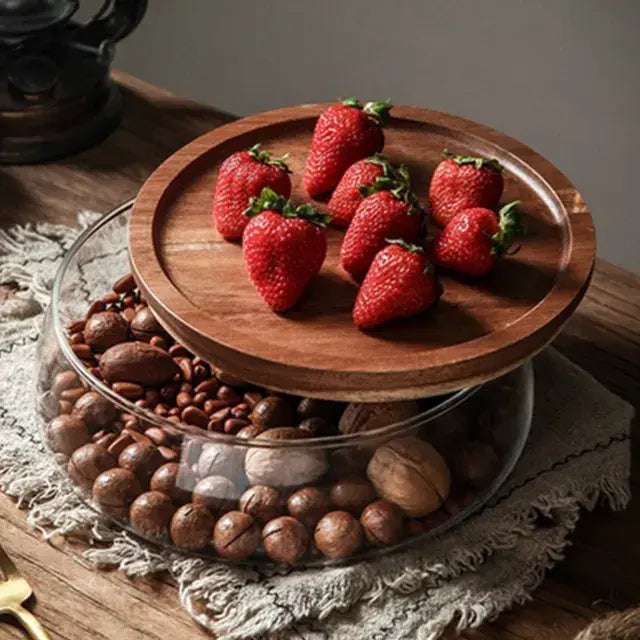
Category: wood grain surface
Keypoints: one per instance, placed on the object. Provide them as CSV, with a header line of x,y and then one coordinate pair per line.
x,y
198,286
74,602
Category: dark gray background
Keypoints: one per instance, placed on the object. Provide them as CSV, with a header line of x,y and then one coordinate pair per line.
x,y
561,75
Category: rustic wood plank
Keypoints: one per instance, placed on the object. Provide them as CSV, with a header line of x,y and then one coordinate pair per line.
x,y
75,602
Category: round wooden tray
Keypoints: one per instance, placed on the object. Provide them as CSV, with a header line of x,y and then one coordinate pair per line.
x,y
197,284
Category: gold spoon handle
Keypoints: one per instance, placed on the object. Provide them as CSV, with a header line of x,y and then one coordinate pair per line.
x,y
29,622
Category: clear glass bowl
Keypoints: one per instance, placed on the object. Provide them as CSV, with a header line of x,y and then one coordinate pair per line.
x,y
187,455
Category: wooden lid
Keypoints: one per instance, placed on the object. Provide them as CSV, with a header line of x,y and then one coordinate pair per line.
x,y
197,284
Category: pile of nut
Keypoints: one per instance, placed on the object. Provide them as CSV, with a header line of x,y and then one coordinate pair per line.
x,y
289,501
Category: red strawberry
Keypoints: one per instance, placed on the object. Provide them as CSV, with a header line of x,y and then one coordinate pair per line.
x,y
353,187
461,182
400,283
283,248
242,176
344,133
391,211
475,238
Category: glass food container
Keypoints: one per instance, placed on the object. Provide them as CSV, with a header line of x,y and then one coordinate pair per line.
x,y
187,455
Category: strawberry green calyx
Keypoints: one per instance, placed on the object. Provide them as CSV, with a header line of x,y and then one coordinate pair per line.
x,y
352,102
408,246
411,248
382,161
265,157
309,213
399,184
511,229
489,163
379,111
269,200
388,173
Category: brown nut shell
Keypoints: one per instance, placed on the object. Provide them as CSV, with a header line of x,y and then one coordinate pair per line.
x,y
151,513
191,527
410,473
144,325
261,502
285,539
284,466
236,536
66,433
352,494
114,490
95,411
382,523
105,329
338,535
365,416
142,459
216,493
476,464
272,411
138,362
174,479
308,505
88,462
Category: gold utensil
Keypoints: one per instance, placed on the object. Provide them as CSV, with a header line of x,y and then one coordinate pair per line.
x,y
13,592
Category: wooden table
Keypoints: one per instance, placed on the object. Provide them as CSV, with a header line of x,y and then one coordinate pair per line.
x,y
600,572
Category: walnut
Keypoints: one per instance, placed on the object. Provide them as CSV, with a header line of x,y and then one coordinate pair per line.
x,y
285,466
410,473
365,416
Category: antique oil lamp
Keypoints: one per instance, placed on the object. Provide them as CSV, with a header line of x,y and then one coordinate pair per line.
x,y
56,96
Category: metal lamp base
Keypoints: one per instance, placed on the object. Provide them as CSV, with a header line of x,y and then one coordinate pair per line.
x,y
35,136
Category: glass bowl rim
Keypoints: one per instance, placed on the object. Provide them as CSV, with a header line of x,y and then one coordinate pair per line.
x,y
396,428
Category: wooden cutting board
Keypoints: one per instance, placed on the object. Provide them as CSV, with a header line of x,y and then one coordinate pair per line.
x,y
197,285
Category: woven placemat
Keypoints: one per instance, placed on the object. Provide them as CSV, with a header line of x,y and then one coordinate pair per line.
x,y
577,455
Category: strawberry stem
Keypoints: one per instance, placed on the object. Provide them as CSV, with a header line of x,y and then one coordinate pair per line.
x,y
412,248
265,157
352,102
408,246
489,163
379,111
512,228
399,184
387,168
269,200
